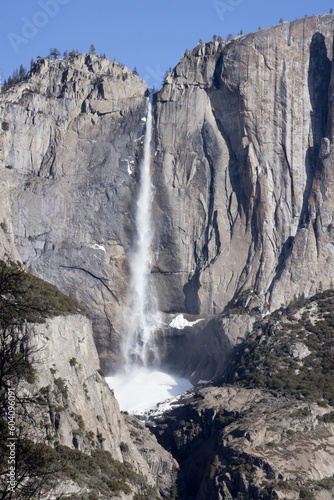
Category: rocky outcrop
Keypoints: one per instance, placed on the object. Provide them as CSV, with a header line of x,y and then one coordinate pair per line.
x,y
162,466
69,147
242,169
80,410
240,443
269,433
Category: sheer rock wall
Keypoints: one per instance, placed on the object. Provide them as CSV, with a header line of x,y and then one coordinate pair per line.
x,y
243,161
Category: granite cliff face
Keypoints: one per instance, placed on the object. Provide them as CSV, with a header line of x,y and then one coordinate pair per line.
x,y
241,168
83,411
74,407
238,443
69,150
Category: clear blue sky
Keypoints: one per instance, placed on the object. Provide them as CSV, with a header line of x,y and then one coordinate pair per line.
x,y
148,34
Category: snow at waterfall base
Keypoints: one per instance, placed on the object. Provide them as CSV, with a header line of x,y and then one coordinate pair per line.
x,y
141,390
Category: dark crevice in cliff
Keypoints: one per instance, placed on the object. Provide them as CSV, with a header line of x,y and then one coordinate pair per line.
x,y
257,221
318,82
284,139
290,175
281,261
212,229
195,439
157,270
190,291
102,280
192,439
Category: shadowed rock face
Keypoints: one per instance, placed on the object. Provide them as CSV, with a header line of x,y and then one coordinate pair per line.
x,y
203,352
242,170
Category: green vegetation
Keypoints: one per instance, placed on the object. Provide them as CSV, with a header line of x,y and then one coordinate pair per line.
x,y
60,383
19,75
26,298
266,358
54,54
4,226
79,421
124,447
99,472
73,362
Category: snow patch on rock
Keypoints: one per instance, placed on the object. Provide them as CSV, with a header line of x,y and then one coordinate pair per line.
x,y
180,322
97,247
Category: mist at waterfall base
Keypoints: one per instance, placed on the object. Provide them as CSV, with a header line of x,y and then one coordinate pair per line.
x,y
142,389
141,386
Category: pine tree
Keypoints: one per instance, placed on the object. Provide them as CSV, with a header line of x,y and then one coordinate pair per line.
x,y
331,11
54,54
16,76
92,49
135,72
22,73
72,55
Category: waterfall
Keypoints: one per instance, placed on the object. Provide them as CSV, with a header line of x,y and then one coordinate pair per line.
x,y
140,386
144,317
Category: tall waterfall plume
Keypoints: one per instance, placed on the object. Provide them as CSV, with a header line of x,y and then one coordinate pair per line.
x,y
144,316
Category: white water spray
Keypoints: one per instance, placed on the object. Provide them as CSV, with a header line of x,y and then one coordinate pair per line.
x,y
144,317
